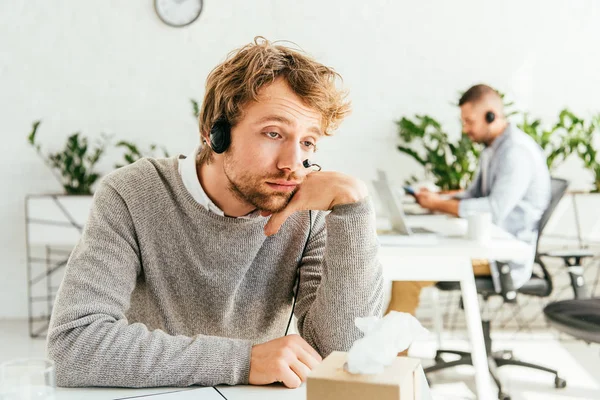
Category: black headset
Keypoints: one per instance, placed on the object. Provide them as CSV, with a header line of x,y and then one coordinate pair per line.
x,y
490,117
220,135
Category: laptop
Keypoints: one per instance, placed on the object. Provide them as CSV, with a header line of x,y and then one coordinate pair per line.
x,y
397,217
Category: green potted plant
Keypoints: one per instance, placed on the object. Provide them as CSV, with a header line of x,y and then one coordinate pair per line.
x,y
583,142
75,165
451,164
557,140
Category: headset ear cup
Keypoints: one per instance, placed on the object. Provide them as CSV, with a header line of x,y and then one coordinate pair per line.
x,y
490,117
220,136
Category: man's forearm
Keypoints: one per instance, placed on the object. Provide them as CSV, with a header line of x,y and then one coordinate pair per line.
x,y
447,206
107,353
346,284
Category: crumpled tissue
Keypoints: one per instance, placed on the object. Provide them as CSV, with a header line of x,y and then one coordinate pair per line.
x,y
383,339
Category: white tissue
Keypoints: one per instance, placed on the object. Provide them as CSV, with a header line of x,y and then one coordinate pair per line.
x,y
384,338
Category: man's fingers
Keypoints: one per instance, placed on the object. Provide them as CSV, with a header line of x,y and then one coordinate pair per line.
x,y
309,349
308,359
290,379
300,369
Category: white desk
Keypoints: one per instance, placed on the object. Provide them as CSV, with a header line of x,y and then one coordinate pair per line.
x,y
271,392
450,260
123,393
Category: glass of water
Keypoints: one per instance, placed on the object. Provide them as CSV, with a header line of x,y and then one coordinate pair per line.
x,y
27,379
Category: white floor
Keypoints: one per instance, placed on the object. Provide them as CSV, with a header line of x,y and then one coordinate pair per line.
x,y
577,362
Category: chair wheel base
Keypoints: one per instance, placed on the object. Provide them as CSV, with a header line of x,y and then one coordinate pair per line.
x,y
560,383
505,354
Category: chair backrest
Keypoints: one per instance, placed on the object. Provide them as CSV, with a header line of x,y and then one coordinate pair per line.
x,y
558,188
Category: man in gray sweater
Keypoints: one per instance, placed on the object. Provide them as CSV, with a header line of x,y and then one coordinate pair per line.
x,y
187,268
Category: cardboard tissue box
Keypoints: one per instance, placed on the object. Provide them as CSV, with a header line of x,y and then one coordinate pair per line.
x,y
372,370
402,380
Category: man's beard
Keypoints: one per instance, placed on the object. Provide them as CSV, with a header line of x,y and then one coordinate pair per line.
x,y
248,189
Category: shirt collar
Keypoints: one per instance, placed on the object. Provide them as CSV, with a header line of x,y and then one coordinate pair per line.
x,y
189,176
500,139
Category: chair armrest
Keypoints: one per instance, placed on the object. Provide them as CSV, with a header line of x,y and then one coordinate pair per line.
x,y
507,286
568,253
571,257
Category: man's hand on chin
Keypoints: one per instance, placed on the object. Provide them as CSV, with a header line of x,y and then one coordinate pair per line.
x,y
320,190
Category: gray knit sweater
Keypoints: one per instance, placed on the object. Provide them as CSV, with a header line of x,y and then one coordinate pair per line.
x,y
161,292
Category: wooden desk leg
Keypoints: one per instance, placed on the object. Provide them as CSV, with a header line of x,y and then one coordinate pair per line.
x,y
473,319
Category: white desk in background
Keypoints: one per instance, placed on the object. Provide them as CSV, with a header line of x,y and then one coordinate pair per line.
x,y
449,259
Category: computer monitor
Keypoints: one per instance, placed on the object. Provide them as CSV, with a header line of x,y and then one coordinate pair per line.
x,y
391,204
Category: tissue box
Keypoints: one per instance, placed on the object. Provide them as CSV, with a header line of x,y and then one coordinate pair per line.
x,y
330,381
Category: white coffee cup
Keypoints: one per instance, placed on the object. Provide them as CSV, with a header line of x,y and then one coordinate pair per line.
x,y
480,227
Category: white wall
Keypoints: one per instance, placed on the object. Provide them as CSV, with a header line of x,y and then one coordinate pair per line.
x,y
112,66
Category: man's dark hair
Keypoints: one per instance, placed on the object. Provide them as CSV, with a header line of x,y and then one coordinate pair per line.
x,y
476,93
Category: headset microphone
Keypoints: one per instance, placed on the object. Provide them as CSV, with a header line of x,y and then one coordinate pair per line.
x,y
307,164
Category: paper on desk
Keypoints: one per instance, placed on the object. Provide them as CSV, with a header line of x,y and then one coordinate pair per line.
x,y
205,393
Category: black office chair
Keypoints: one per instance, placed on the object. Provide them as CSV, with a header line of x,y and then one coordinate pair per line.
x,y
538,285
579,318
573,261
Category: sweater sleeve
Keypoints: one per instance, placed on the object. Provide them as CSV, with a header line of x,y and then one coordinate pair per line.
x,y
340,278
90,339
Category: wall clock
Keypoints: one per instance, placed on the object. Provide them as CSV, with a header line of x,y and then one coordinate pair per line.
x,y
178,13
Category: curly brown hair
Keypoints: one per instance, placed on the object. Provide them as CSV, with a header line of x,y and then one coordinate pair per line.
x,y
238,80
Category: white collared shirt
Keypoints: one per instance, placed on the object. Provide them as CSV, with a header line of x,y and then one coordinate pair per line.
x,y
187,170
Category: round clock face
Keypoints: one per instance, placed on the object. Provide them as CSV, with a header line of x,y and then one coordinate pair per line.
x,y
178,12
